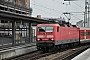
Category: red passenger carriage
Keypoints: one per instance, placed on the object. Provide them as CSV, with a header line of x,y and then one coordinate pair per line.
x,y
84,35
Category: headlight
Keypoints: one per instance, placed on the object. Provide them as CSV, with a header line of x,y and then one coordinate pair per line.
x,y
40,36
38,39
49,36
52,39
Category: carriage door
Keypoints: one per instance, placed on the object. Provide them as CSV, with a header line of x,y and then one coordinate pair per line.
x,y
87,34
82,35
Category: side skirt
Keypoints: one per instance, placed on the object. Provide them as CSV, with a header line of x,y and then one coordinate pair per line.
x,y
58,42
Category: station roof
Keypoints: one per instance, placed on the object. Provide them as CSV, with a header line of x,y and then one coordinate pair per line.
x,y
10,16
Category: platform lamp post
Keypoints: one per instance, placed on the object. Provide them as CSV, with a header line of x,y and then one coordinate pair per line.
x,y
89,12
86,14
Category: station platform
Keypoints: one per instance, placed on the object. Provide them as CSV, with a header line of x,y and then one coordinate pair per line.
x,y
12,51
83,56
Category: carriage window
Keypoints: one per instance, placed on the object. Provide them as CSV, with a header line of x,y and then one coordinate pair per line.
x,y
87,33
82,33
45,29
57,29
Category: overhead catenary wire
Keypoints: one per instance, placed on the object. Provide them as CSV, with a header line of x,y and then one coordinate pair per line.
x,y
52,9
71,5
45,11
76,17
75,7
45,7
78,5
37,4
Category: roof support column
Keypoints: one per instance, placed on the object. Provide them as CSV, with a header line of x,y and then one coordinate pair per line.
x,y
29,32
13,32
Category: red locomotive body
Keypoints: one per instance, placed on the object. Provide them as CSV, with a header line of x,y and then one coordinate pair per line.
x,y
52,35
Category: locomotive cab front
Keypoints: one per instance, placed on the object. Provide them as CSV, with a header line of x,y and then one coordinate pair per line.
x,y
45,33
45,36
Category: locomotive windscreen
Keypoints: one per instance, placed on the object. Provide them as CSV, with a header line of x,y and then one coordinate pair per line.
x,y
45,29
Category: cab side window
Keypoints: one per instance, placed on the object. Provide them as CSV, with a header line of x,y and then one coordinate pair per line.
x,y
57,29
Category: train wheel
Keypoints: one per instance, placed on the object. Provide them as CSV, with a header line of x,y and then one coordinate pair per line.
x,y
45,49
53,48
70,45
38,48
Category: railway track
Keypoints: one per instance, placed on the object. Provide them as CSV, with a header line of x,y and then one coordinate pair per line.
x,y
25,56
67,54
31,56
64,54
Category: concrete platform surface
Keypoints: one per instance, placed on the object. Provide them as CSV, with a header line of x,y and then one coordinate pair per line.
x,y
17,50
83,56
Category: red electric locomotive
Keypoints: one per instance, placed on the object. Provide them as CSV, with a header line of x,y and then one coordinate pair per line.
x,y
54,35
60,33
